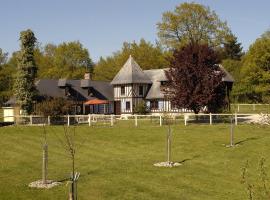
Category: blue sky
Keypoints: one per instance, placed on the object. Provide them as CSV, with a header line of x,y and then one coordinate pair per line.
x,y
103,25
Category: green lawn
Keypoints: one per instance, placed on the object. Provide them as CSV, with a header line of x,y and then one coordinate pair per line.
x,y
117,163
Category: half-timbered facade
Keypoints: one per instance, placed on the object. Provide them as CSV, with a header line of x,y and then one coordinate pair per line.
x,y
132,85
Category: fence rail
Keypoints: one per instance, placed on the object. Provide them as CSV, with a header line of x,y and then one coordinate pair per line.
x,y
137,120
245,107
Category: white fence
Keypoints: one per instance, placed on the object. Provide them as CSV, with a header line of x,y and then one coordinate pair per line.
x,y
136,120
251,108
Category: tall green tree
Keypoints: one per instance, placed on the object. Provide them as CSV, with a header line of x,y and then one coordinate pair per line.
x,y
24,87
192,23
256,71
66,60
5,77
147,55
232,48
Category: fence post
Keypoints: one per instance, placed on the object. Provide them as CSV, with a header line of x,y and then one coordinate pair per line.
x,y
232,135
238,107
49,120
111,120
160,120
235,118
210,115
31,120
89,119
185,119
136,121
68,122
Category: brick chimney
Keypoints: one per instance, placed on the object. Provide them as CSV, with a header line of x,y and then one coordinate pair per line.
x,y
87,76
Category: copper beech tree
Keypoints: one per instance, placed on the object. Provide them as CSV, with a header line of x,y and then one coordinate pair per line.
x,y
195,79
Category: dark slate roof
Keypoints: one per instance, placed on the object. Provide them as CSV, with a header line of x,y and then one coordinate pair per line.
x,y
131,72
51,88
85,83
62,82
156,76
101,89
228,77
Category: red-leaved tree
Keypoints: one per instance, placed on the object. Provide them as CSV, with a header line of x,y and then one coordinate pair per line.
x,y
195,79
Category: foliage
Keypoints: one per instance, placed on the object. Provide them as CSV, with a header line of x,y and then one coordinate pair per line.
x,y
191,23
147,55
232,48
233,67
6,79
3,57
256,71
24,88
257,189
54,107
195,80
141,108
66,60
6,82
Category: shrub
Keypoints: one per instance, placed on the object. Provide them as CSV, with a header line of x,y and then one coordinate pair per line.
x,y
141,108
54,107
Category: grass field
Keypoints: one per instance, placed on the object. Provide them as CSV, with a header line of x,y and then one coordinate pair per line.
x,y
117,162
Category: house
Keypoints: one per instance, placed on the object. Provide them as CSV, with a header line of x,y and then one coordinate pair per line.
x,y
88,96
130,86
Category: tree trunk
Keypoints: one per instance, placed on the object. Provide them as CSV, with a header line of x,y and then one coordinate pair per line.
x,y
45,164
169,143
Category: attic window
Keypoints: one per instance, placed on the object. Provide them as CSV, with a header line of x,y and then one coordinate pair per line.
x,y
90,92
162,82
122,90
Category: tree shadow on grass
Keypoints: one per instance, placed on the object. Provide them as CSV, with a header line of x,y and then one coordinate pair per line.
x,y
188,159
241,142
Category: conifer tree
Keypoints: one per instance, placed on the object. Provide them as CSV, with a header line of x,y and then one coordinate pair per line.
x,y
232,48
24,87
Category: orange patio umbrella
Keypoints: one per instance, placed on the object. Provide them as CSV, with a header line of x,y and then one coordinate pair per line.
x,y
96,102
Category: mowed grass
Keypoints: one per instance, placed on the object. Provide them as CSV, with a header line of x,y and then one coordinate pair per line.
x,y
117,162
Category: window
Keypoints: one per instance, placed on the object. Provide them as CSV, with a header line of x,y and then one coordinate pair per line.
x,y
127,105
122,90
173,105
67,91
163,83
154,104
90,92
140,90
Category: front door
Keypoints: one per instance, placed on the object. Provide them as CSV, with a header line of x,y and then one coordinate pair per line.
x,y
117,108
